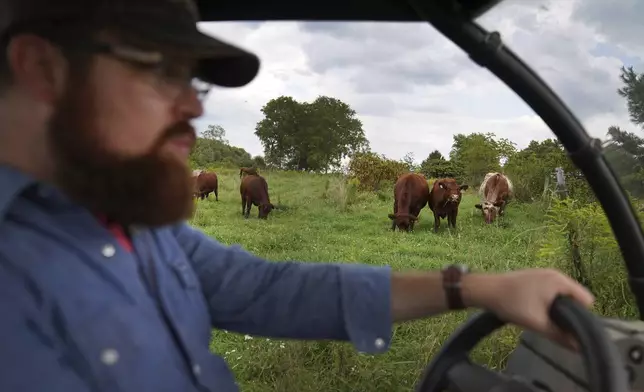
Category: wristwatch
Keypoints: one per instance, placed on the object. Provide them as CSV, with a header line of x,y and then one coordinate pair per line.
x,y
452,275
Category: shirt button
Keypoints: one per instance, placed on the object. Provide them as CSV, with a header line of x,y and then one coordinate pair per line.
x,y
379,343
196,369
109,356
108,250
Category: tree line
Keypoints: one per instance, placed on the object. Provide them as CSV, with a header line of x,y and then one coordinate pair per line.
x,y
317,136
213,149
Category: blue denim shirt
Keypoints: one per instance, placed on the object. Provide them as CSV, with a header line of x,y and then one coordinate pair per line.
x,y
75,314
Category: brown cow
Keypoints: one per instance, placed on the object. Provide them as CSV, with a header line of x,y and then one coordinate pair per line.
x,y
247,171
444,199
254,190
411,194
495,191
205,182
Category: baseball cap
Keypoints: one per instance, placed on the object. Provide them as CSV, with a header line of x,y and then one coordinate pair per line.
x,y
163,23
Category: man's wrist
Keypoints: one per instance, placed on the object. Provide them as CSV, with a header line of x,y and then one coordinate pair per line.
x,y
422,294
478,290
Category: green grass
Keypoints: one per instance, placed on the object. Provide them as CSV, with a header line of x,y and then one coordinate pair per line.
x,y
324,220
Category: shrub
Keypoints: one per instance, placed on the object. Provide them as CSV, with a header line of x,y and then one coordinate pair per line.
x,y
375,172
341,192
580,242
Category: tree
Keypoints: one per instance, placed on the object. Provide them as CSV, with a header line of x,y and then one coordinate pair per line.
x,y
259,162
629,142
625,152
506,149
477,154
633,91
215,132
436,166
309,136
212,148
408,160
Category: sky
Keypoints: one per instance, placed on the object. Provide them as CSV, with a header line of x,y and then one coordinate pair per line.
x,y
413,89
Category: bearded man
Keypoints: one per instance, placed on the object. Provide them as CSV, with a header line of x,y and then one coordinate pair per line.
x,y
104,285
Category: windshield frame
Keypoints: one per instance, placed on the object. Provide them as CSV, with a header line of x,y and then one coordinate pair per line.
x,y
487,50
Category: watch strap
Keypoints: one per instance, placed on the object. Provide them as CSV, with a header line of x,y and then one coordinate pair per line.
x,y
452,278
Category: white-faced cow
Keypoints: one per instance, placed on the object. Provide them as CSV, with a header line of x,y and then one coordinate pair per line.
x,y
495,192
205,183
444,199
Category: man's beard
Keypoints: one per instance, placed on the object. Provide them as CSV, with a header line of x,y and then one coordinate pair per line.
x,y
150,190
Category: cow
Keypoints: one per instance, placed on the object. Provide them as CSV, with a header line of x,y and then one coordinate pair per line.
x,y
205,182
195,174
411,194
444,199
495,192
254,191
247,170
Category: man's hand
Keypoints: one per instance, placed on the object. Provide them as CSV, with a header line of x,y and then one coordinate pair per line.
x,y
524,298
520,297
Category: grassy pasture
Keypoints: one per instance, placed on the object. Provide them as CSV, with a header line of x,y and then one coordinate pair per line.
x,y
323,220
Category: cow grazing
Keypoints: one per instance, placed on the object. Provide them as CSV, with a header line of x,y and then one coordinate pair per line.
x,y
444,199
247,171
254,191
195,174
495,192
411,194
205,182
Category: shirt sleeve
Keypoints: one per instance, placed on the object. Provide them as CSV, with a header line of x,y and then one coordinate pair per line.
x,y
31,358
294,300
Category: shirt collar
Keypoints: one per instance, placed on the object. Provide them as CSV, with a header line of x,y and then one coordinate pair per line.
x,y
12,183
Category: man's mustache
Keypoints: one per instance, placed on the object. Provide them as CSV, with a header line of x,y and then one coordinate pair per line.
x,y
183,128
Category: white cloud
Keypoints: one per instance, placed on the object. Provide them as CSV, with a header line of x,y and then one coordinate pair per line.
x,y
413,89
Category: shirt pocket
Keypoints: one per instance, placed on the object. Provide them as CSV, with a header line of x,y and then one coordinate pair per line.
x,y
184,273
188,302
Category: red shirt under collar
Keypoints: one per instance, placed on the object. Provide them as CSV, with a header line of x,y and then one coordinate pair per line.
x,y
118,231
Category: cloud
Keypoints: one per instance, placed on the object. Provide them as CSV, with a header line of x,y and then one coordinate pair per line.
x,y
413,89
619,21
380,58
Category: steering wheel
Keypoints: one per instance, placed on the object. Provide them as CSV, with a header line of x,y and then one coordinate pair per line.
x,y
452,370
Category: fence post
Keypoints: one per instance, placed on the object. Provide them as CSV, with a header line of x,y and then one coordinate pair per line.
x,y
546,186
561,183
573,237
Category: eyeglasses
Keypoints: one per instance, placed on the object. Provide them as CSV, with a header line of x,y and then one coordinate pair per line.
x,y
172,75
